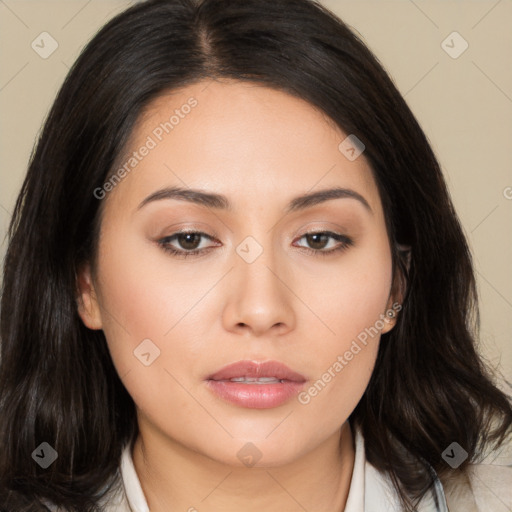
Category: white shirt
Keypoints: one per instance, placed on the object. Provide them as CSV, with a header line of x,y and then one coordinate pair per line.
x,y
369,491
489,488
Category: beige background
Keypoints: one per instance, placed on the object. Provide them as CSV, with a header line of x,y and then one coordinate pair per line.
x,y
463,104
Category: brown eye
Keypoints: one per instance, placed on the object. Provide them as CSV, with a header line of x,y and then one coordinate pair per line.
x,y
319,240
185,244
189,241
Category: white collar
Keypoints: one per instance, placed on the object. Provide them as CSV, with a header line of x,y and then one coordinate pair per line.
x,y
369,490
134,494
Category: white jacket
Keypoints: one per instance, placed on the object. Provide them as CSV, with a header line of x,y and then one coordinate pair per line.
x,y
485,487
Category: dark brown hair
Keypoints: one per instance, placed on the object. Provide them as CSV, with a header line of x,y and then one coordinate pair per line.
x,y
57,380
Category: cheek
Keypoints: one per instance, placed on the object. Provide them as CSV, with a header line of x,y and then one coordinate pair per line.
x,y
134,308
337,388
351,295
351,303
155,324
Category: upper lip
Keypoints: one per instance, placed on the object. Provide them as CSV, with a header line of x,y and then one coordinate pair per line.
x,y
257,369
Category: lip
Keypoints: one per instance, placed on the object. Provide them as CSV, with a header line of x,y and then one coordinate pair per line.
x,y
256,396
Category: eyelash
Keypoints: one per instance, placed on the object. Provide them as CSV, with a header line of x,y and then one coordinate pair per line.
x,y
345,243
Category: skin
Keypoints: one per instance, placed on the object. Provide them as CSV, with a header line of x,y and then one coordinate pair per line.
x,y
261,148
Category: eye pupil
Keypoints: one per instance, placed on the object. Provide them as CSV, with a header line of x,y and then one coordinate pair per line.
x,y
184,240
315,238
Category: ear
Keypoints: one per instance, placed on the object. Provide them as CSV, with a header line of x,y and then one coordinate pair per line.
x,y
88,307
398,288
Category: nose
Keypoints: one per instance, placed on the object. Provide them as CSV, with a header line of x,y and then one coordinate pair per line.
x,y
261,299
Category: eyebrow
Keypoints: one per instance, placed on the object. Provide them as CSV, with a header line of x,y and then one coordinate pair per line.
x,y
221,202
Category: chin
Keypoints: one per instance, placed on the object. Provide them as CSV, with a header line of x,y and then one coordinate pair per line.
x,y
258,453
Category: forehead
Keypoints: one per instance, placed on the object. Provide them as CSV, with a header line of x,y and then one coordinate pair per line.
x,y
240,139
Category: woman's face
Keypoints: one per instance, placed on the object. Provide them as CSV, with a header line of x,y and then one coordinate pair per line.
x,y
260,290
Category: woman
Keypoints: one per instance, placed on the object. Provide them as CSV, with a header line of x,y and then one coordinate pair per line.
x,y
235,280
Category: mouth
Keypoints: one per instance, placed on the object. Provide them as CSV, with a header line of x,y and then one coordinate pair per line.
x,y
256,385
256,380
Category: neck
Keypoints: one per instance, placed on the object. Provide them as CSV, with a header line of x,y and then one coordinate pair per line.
x,y
173,478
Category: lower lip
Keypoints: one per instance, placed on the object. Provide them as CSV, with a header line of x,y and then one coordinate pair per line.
x,y
255,396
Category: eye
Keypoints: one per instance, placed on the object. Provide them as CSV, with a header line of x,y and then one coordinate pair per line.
x,y
318,240
190,242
